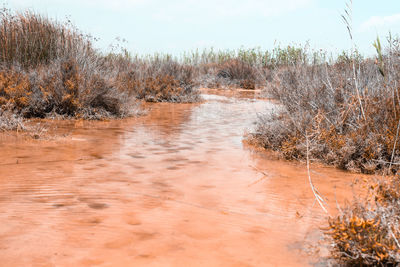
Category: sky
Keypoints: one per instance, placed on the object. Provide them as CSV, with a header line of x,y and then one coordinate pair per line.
x,y
176,26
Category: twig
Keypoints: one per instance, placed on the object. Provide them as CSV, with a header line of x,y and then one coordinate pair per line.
x,y
337,204
394,237
262,178
385,162
316,195
394,145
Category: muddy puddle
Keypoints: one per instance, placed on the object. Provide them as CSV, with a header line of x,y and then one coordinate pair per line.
x,y
176,187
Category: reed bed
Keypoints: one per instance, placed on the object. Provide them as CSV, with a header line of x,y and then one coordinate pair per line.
x,y
29,40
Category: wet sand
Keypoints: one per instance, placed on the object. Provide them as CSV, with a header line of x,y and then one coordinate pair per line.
x,y
176,187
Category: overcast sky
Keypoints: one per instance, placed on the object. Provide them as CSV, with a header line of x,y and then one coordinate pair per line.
x,y
175,26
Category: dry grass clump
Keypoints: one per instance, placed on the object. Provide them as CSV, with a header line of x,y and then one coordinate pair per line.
x,y
233,73
354,131
239,73
10,121
247,84
167,80
367,233
162,88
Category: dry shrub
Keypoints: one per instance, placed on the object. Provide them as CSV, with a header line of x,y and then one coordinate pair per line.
x,y
247,84
165,80
367,233
162,88
321,101
239,73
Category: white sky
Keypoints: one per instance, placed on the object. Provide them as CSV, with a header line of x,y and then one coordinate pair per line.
x,y
176,26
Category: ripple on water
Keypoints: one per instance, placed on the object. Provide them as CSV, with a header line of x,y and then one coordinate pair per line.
x,y
179,189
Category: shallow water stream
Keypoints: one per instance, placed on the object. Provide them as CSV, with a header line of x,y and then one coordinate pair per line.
x,y
176,187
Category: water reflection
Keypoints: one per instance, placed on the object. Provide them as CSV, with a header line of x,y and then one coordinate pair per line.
x,y
167,119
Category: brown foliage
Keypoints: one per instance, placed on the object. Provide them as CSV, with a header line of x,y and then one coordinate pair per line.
x,y
15,89
164,80
367,233
162,88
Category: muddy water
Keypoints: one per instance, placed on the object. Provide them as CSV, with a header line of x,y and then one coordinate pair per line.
x,y
176,187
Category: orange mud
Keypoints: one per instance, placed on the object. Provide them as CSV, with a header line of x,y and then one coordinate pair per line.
x,y
176,187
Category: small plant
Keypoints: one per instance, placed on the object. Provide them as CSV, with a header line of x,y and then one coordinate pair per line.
x,y
378,47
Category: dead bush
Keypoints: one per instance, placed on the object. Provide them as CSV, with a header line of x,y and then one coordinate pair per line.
x,y
161,88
